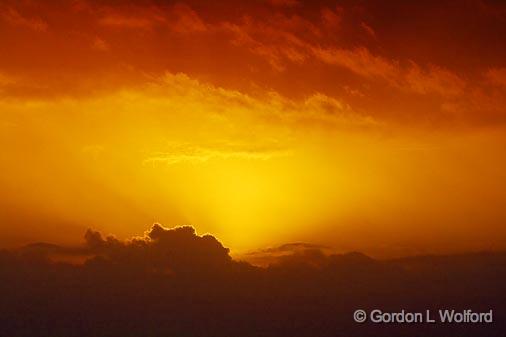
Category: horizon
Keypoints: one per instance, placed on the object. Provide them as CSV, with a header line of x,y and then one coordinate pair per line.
x,y
259,257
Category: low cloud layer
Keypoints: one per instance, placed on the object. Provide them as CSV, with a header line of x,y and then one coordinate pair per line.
x,y
175,282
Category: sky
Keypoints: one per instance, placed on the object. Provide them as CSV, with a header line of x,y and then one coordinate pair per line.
x,y
348,124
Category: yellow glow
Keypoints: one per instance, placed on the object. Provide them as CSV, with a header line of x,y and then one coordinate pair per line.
x,y
254,171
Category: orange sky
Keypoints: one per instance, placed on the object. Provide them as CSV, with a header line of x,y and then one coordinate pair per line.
x,y
361,125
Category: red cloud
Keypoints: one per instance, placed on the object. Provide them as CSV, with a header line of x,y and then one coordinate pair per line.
x,y
13,17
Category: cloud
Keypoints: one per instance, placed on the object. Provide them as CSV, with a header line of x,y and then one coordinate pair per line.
x,y
186,20
176,250
173,282
190,153
283,40
145,19
332,19
284,3
100,44
496,76
275,255
179,18
13,17
351,48
186,96
368,29
278,39
359,61
6,80
317,108
434,80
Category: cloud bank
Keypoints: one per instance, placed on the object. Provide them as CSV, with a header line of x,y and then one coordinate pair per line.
x,y
175,282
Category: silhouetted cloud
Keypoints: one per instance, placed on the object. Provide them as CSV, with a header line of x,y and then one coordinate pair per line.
x,y
273,255
173,282
176,251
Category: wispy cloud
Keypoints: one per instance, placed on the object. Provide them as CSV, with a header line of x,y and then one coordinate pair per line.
x,y
496,76
189,153
13,17
179,18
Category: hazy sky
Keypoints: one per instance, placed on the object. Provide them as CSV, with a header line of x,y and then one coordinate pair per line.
x,y
360,125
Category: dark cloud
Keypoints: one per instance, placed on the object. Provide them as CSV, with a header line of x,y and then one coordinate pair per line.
x,y
173,282
178,250
273,255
